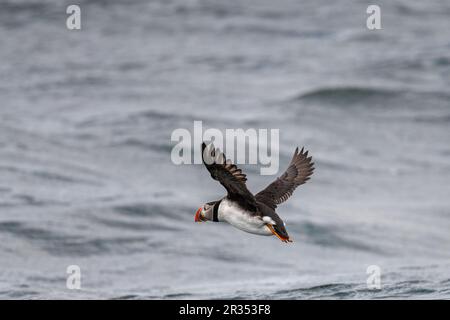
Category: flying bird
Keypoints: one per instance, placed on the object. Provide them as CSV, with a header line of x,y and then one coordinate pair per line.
x,y
243,210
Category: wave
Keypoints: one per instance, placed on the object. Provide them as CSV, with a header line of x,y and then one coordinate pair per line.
x,y
135,226
329,236
60,244
416,288
151,210
348,94
358,291
354,94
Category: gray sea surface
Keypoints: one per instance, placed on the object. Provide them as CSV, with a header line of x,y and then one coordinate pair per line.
x,y
86,176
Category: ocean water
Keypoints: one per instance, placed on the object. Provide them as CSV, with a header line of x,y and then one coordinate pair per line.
x,y
86,176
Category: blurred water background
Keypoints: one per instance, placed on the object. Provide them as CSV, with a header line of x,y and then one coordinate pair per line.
x,y
85,124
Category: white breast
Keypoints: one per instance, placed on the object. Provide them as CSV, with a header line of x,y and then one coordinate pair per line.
x,y
229,212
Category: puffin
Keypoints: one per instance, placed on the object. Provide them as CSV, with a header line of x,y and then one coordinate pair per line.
x,y
240,208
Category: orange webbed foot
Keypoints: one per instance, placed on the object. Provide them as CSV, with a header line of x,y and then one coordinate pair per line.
x,y
285,240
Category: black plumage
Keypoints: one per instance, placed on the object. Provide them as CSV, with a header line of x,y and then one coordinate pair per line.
x,y
264,203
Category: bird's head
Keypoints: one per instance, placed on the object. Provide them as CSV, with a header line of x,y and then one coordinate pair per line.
x,y
205,212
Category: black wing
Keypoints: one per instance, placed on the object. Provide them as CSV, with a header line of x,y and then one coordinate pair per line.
x,y
230,176
299,171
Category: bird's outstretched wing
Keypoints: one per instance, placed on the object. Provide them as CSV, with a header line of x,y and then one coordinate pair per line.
x,y
229,175
299,171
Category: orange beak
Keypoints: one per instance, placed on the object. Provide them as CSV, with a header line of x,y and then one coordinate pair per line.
x,y
198,218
